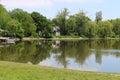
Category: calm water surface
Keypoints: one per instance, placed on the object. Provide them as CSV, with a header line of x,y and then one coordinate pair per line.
x,y
88,55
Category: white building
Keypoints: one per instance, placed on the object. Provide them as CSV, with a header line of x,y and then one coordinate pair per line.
x,y
56,30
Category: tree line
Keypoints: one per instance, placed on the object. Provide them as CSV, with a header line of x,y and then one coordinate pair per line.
x,y
19,23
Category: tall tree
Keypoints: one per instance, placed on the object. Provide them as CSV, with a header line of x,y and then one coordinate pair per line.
x,y
98,16
116,27
71,26
81,21
14,29
44,26
91,29
26,20
4,17
61,19
105,29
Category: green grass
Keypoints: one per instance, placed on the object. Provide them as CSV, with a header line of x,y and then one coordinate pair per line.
x,y
17,71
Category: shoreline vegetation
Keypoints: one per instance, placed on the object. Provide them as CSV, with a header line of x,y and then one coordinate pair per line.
x,y
20,71
19,23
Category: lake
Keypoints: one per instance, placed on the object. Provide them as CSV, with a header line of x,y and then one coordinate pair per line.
x,y
86,55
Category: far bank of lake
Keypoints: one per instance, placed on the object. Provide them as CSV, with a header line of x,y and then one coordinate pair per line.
x,y
80,38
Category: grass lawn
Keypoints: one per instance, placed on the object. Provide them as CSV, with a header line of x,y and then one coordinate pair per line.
x,y
18,71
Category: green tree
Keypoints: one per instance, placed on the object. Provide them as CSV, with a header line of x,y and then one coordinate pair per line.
x,y
81,21
91,29
71,26
98,16
60,21
116,27
14,29
4,17
105,29
26,20
44,26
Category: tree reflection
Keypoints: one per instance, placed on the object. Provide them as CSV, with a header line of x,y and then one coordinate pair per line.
x,y
25,52
42,51
79,50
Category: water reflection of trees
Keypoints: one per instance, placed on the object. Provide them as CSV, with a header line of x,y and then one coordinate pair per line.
x,y
36,51
42,51
81,50
26,52
73,49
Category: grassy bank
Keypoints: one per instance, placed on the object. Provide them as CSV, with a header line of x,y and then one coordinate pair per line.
x,y
16,71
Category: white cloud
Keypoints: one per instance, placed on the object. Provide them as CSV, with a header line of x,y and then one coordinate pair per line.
x,y
41,3
26,3
80,1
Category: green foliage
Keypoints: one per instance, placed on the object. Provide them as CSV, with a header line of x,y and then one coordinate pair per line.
x,y
4,17
116,27
81,25
44,26
14,29
37,25
81,21
60,21
91,29
20,32
105,29
26,20
71,26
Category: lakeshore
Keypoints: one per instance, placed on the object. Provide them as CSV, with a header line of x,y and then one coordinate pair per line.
x,y
67,38
27,39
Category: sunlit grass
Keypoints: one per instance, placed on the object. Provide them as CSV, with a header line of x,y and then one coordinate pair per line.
x,y
16,71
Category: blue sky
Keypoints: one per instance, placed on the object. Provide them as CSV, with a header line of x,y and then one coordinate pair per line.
x,y
49,8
